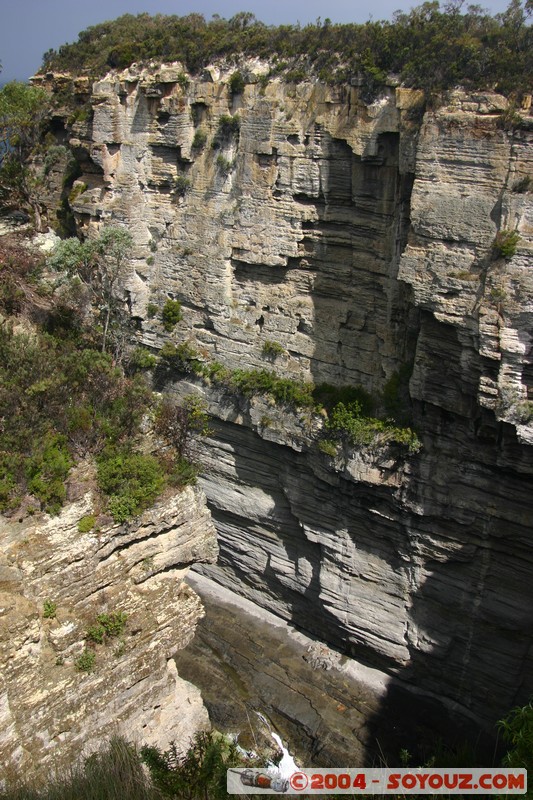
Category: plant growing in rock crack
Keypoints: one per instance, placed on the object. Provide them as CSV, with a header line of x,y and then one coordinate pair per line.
x,y
224,164
505,244
328,447
272,349
49,609
86,523
171,314
182,184
237,83
228,126
199,140
86,661
108,625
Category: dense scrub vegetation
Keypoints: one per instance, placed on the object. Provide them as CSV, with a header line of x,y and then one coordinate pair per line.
x,y
431,47
22,113
348,409
118,771
70,387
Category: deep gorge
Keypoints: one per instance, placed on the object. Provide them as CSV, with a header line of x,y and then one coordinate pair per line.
x,y
357,237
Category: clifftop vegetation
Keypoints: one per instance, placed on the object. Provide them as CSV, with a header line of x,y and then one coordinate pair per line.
x,y
71,388
431,47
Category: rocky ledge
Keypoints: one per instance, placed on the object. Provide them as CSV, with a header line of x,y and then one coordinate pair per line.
x,y
333,240
61,690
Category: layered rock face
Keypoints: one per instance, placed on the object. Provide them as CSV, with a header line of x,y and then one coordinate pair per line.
x,y
54,582
359,238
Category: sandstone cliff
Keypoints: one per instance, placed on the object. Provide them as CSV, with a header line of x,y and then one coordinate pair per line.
x,y
359,238
54,582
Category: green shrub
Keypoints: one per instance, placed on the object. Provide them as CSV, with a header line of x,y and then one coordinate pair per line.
x,y
328,447
272,350
228,126
517,731
10,480
86,661
182,472
47,471
201,773
171,314
86,523
182,357
113,622
53,155
182,184
284,390
349,423
224,165
200,138
49,609
142,359
151,310
131,481
95,633
183,80
237,83
505,243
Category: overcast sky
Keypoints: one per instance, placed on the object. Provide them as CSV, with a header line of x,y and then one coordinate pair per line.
x,y
30,27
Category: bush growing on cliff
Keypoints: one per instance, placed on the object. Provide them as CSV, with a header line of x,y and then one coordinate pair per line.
x,y
505,244
131,481
200,774
228,128
272,349
179,425
47,470
348,422
22,113
430,47
237,83
171,314
284,390
200,138
99,264
181,357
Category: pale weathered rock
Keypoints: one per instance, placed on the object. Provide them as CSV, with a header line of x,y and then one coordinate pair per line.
x,y
51,711
360,239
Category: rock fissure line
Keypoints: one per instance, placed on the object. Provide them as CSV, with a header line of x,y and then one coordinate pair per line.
x,y
396,236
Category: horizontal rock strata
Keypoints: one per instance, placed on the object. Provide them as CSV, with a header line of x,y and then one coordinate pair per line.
x,y
360,239
52,711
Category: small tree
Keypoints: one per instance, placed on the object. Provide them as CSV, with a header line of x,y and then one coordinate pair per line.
x,y
99,263
114,247
22,112
179,424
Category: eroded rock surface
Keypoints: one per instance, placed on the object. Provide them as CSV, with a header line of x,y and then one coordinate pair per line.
x,y
51,711
359,238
